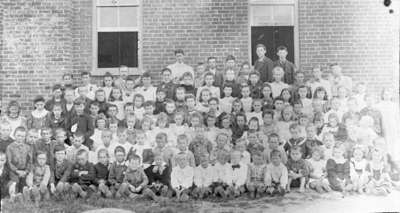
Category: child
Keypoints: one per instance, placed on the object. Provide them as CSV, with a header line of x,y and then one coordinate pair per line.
x,y
287,66
232,82
318,81
149,110
129,90
335,127
239,174
276,177
312,140
179,126
370,110
182,178
122,135
263,65
267,101
182,145
203,178
39,117
61,172
286,97
187,83
117,169
199,146
141,145
222,175
278,108
269,124
239,127
76,146
19,160
338,169
37,180
225,103
167,84
273,144
305,101
213,107
82,122
256,111
5,139
159,175
284,124
212,67
208,84
46,145
256,175
245,156
318,180
202,105
277,85
211,130
82,175
102,173
138,109
379,180
329,142
147,90
161,148
358,173
116,99
170,109
135,180
298,169
179,98
90,88
4,176
57,120
246,99
107,84
255,85
190,104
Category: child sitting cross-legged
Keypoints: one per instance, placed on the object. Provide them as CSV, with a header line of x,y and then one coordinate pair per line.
x,y
62,170
239,174
222,176
82,175
318,180
298,169
117,169
37,180
182,178
135,180
159,175
102,172
276,178
256,175
203,177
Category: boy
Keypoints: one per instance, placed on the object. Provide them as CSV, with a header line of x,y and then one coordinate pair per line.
x,y
122,135
4,176
82,175
212,68
199,146
276,177
117,169
19,159
279,105
182,178
246,99
269,124
46,145
318,81
147,90
61,172
149,111
203,178
5,139
170,109
255,85
312,140
273,144
256,175
187,83
159,175
287,66
135,180
278,85
182,145
370,110
106,143
263,65
76,146
82,122
167,85
160,101
222,175
179,67
56,98
38,179
190,104
295,140
225,103
57,120
102,173
91,88
239,173
180,98
298,170
161,148
230,79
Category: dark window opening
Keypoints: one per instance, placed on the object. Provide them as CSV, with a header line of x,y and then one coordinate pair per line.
x,y
116,49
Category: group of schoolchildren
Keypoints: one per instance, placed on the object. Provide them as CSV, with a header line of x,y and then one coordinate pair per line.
x,y
201,133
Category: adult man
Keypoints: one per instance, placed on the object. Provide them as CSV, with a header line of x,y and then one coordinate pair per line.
x,y
263,65
179,67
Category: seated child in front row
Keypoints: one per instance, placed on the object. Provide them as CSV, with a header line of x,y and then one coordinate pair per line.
x,y
203,178
4,176
338,169
318,180
276,178
62,169
38,179
182,178
159,175
135,180
222,175
82,175
239,174
102,173
298,169
256,175
358,173
379,179
117,169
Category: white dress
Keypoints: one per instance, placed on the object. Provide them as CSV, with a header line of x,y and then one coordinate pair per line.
x,y
390,126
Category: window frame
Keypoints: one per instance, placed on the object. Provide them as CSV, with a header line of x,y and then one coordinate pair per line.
x,y
295,5
96,71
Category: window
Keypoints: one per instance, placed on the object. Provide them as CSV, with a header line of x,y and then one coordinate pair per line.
x,y
274,23
116,36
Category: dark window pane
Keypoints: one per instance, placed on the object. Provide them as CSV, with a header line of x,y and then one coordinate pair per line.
x,y
117,48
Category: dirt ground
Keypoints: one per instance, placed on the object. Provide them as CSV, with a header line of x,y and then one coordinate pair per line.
x,y
294,202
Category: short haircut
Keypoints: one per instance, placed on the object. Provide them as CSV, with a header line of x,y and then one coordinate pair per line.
x,y
146,74
56,87
133,157
230,58
213,99
275,153
84,73
254,73
278,69
268,112
273,135
281,47
262,46
187,74
79,101
179,51
79,134
82,152
166,70
211,57
38,98
148,103
295,148
183,137
190,96
103,150
119,149
19,129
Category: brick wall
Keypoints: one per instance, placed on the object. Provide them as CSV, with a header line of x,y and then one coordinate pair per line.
x,y
36,47
361,35
201,28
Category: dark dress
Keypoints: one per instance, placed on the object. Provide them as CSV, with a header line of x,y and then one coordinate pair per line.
x,y
338,172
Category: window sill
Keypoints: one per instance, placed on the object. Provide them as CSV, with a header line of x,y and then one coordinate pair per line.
x,y
115,71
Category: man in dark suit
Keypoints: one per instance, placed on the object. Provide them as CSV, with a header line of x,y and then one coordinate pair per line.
x,y
263,65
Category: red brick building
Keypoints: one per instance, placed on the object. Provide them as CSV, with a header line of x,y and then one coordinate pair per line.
x,y
42,39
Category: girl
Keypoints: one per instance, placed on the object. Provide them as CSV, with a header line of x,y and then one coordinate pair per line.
x,y
100,125
13,117
306,102
284,123
239,126
108,84
379,183
286,96
138,108
225,124
116,99
100,97
246,99
343,97
178,127
256,111
358,173
162,126
237,107
129,91
338,169
337,129
267,100
320,94
40,117
208,84
318,179
230,80
390,120
202,105
225,104
146,125
211,130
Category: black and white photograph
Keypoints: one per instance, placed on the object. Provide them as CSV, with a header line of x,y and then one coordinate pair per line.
x,y
199,106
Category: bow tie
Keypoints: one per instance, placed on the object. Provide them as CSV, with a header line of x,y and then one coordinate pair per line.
x,y
237,166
